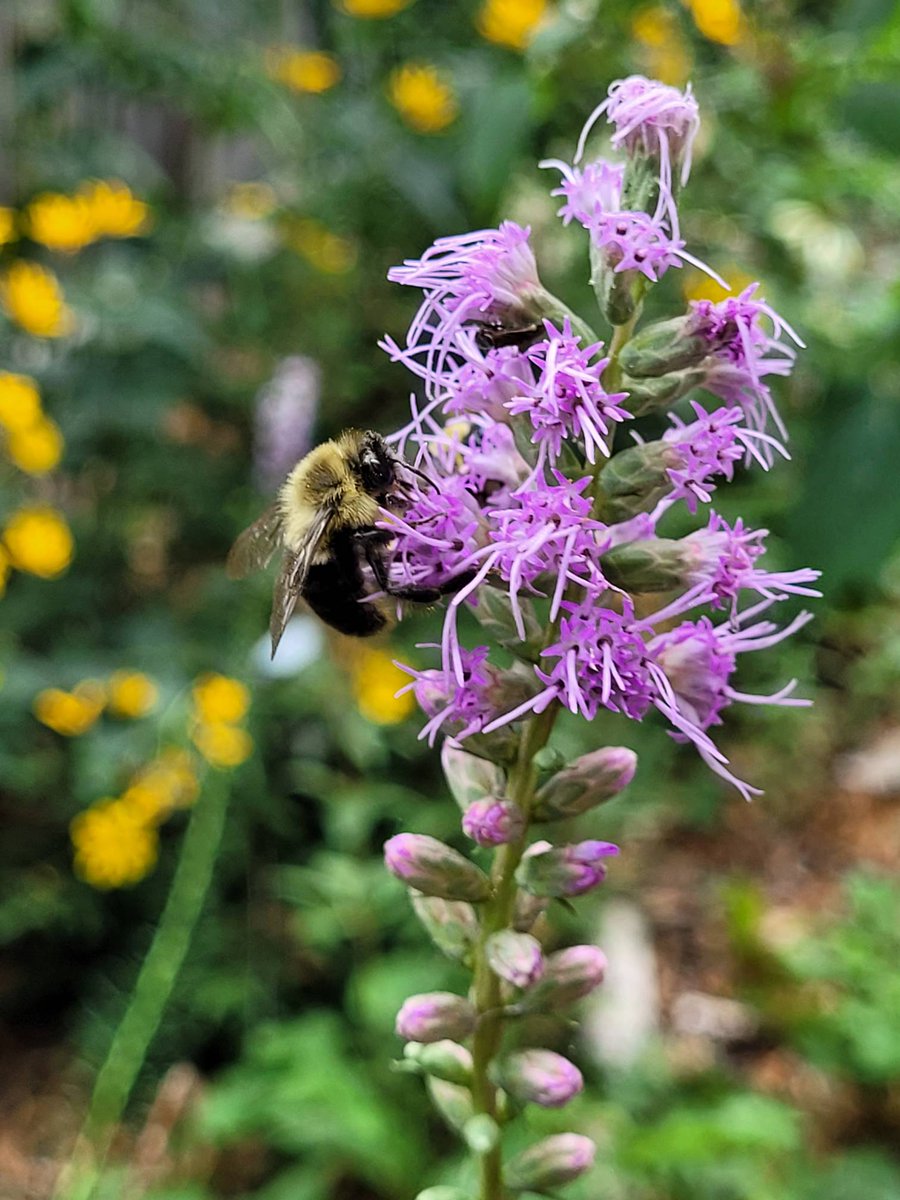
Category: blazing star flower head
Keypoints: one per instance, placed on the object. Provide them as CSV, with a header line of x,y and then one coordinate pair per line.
x,y
635,241
743,352
590,191
567,400
650,118
439,532
462,703
725,557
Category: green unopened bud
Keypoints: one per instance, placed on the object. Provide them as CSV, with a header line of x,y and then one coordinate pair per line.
x,y
651,395
590,780
451,924
481,1133
452,1101
494,612
426,864
515,957
663,347
469,777
444,1060
653,565
619,293
635,480
550,1164
527,910
442,1192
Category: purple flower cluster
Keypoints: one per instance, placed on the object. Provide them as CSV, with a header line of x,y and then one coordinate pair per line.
x,y
530,495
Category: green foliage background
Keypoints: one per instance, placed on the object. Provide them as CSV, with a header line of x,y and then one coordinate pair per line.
x,y
305,948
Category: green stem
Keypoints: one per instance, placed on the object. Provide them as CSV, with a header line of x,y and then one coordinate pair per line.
x,y
155,981
612,379
497,914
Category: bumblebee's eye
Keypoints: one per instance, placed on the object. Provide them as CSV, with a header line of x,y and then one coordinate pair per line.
x,y
376,472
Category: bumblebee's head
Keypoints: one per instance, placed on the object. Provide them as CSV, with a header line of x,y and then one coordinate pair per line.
x,y
375,466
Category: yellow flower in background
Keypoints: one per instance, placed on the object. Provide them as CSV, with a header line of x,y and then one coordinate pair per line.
x,y
60,222
311,71
114,209
326,251
219,698
510,23
697,285
665,52
422,97
131,694
252,200
172,777
7,226
718,20
376,679
114,845
32,297
36,449
20,401
372,9
70,713
38,541
221,744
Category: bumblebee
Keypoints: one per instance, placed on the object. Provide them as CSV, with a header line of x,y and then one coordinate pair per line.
x,y
324,518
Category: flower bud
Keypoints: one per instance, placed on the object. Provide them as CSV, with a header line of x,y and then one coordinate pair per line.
x,y
469,778
494,613
453,1102
433,1016
426,864
585,783
569,975
635,480
653,565
538,1077
550,1163
442,1192
491,822
663,347
527,910
481,1133
619,293
451,924
515,957
571,870
444,1059
661,393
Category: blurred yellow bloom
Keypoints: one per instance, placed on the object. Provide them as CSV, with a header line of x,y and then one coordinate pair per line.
x,y
375,681
5,568
219,698
251,200
665,52
422,97
32,297
304,70
222,745
60,222
326,251
36,449
131,694
152,804
7,226
172,777
719,20
510,22
114,209
20,402
372,9
697,285
114,844
70,713
39,541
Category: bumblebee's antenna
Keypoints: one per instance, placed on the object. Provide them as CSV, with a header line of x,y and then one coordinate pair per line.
x,y
415,470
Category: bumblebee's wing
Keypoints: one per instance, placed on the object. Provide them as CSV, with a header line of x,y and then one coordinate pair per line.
x,y
293,573
254,548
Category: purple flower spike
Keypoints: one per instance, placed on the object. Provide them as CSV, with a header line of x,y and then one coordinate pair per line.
x,y
285,415
433,1016
491,822
539,1077
572,870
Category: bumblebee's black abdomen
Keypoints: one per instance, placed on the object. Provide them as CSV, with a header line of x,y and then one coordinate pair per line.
x,y
335,591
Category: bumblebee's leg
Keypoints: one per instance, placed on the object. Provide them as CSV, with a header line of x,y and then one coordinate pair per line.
x,y
371,541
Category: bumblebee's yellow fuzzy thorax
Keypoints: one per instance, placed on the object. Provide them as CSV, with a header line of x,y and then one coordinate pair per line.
x,y
324,480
